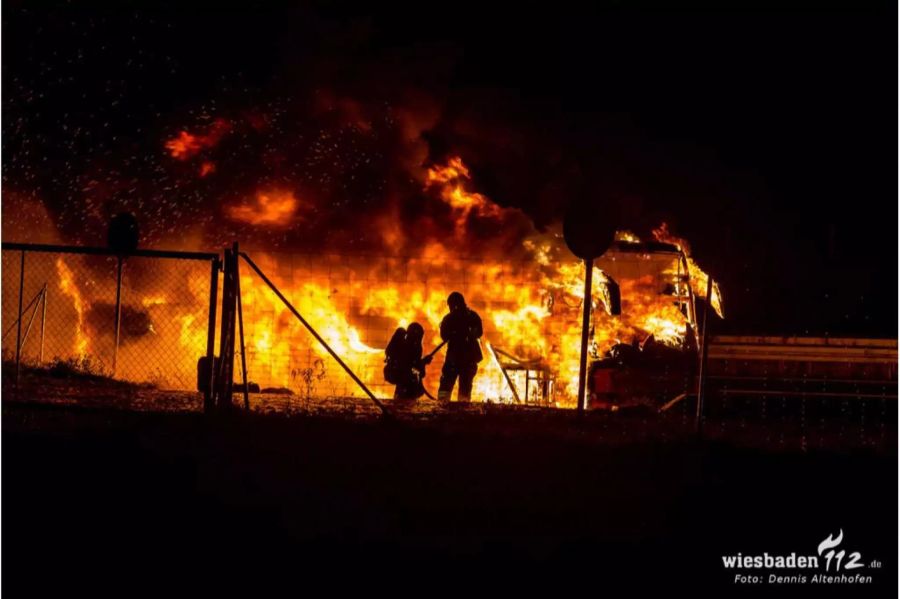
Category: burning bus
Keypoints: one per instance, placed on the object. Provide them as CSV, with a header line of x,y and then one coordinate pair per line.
x,y
644,327
656,362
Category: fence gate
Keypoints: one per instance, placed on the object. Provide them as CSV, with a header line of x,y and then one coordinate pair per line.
x,y
146,317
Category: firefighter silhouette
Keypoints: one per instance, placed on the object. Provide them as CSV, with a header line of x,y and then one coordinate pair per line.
x,y
404,365
461,329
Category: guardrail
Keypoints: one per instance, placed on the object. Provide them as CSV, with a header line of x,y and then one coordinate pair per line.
x,y
804,349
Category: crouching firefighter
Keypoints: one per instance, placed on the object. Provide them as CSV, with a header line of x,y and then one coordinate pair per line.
x,y
461,329
404,365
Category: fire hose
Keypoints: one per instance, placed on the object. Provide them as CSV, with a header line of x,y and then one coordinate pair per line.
x,y
434,351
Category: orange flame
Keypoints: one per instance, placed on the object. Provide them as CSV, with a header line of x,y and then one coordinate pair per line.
x,y
186,145
274,208
207,168
68,287
450,179
700,279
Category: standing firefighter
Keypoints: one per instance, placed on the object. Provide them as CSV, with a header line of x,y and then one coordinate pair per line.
x,y
461,329
404,365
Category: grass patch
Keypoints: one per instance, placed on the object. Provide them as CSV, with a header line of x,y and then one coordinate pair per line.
x,y
79,370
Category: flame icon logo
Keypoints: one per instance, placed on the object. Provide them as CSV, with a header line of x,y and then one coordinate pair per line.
x,y
831,542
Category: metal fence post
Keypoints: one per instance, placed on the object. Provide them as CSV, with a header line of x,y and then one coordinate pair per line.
x,y
211,334
225,375
43,324
240,313
701,383
118,312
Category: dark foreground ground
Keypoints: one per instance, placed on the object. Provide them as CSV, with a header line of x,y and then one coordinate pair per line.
x,y
100,502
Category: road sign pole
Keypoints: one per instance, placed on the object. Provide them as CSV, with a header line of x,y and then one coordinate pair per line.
x,y
585,333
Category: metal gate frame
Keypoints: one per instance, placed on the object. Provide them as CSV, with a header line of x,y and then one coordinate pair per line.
x,y
212,258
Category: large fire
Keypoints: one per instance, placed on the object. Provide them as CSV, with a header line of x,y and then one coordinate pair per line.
x,y
530,300
530,305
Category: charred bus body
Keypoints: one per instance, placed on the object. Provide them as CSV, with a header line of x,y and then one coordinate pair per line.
x,y
652,351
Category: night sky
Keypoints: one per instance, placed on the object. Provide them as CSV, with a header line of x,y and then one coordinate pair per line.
x,y
764,136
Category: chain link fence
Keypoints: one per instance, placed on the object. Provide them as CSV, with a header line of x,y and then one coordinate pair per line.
x,y
143,319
